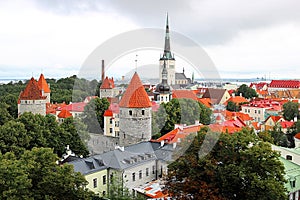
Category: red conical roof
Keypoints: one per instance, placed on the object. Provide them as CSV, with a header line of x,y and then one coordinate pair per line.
x,y
43,85
135,95
31,91
64,114
108,83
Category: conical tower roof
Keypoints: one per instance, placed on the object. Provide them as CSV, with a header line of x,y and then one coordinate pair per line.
x,y
31,91
43,85
135,95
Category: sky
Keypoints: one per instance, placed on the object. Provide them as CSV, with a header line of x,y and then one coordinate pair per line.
x,y
244,39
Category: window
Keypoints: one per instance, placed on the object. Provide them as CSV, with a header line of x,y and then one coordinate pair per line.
x,y
147,171
258,111
153,169
117,133
258,119
111,177
110,130
95,182
143,112
289,157
104,179
116,123
293,183
133,176
110,121
130,112
255,111
103,193
140,174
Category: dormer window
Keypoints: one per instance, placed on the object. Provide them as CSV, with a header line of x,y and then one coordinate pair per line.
x,y
289,157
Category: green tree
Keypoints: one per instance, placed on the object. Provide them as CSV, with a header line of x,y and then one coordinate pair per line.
x,y
35,175
76,143
246,91
231,106
290,110
14,138
4,114
117,191
279,137
240,166
180,111
93,114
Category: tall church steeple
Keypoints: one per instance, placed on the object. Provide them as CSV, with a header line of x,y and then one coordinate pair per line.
x,y
167,50
167,58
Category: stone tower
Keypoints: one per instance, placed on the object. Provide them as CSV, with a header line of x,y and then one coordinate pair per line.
x,y
31,99
163,91
135,114
44,88
168,58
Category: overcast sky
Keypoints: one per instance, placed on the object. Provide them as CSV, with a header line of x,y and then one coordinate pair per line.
x,y
246,39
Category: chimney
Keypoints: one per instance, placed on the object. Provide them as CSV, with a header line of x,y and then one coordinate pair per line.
x,y
103,71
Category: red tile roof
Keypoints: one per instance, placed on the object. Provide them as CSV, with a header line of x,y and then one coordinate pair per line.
x,y
108,113
285,84
43,85
108,83
256,125
237,100
135,95
64,114
297,136
74,107
274,118
286,124
258,86
31,91
184,94
205,101
242,116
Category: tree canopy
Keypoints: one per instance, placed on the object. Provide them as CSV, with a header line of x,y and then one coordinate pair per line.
x,y
290,110
240,166
36,175
93,114
31,130
179,111
246,91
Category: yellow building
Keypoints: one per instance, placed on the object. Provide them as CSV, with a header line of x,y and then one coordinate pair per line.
x,y
95,172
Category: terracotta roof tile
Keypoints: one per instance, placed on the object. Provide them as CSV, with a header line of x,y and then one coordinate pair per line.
x,y
108,113
64,114
184,94
285,84
237,100
135,95
43,85
31,91
297,136
108,83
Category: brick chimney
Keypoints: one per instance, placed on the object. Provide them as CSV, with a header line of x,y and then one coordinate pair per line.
x,y
103,71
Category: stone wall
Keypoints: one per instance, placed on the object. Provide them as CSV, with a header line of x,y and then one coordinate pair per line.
x,y
135,125
34,106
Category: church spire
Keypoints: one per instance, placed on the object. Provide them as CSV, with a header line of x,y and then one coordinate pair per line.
x,y
167,50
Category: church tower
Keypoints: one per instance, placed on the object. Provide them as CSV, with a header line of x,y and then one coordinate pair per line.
x,y
168,58
135,114
163,90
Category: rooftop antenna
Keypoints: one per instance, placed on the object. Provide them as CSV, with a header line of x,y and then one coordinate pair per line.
x,y
136,62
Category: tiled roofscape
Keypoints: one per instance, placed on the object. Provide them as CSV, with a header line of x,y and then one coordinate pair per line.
x,y
135,95
43,85
31,91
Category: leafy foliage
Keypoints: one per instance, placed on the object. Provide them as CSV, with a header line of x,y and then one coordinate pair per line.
x,y
231,106
93,114
179,111
246,91
240,166
31,130
290,110
35,175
